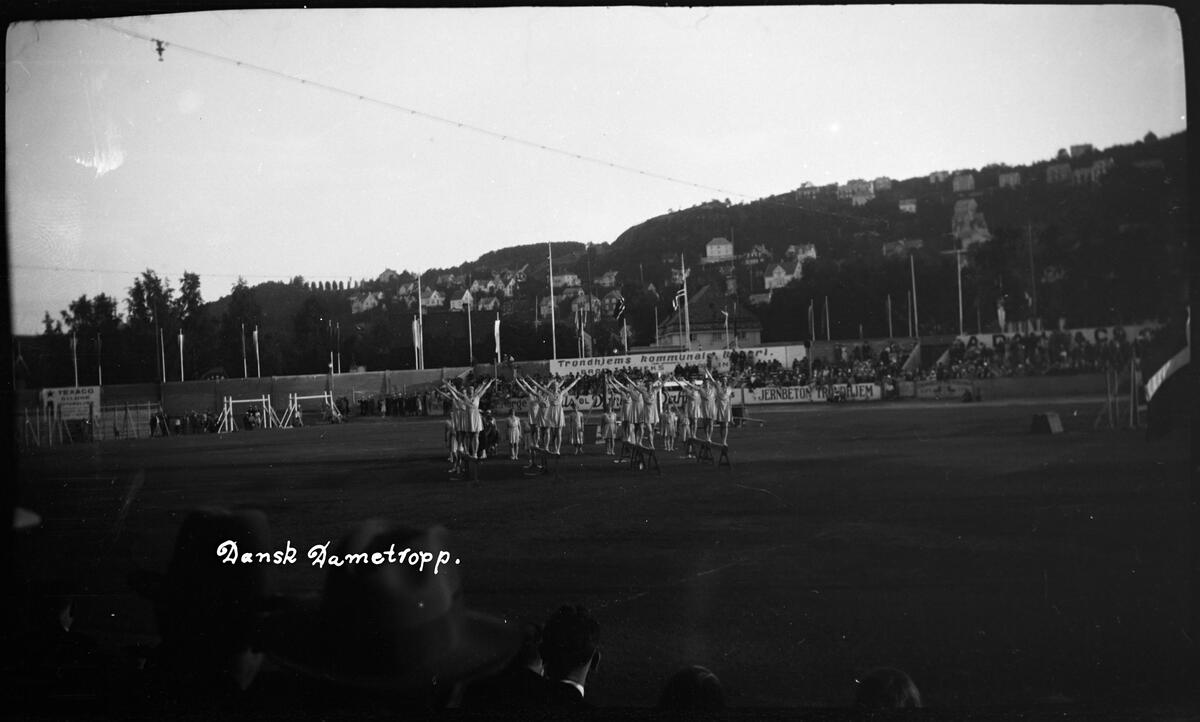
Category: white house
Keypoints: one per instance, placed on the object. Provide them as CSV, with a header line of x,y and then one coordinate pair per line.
x,y
431,298
779,275
908,205
1011,179
718,249
460,300
801,251
566,279
488,303
362,302
963,183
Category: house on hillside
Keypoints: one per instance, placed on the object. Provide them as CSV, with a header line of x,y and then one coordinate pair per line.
x,y
757,255
857,191
807,191
963,183
902,247
1100,168
968,224
715,322
432,298
365,301
1011,179
460,300
882,183
761,299
1059,173
388,276
545,303
779,275
610,301
1078,151
801,252
566,279
572,292
938,176
585,302
608,279
718,250
487,303
507,287
908,205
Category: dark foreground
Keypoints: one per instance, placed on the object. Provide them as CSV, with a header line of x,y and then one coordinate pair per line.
x,y
995,567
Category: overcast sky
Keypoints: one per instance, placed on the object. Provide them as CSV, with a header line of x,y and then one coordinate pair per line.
x,y
530,125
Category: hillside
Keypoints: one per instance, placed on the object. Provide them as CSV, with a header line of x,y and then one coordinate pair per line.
x,y
1101,242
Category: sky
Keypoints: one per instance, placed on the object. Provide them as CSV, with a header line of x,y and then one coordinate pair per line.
x,y
332,144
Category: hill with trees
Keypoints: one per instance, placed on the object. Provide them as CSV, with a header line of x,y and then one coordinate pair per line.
x,y
1104,248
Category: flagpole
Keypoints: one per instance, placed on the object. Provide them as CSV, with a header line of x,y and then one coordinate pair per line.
x,y
245,373
497,331
656,325
420,347
100,359
338,326
687,320
181,376
257,356
470,336
828,333
812,334
162,349
889,314
553,335
625,333
74,359
912,266
416,344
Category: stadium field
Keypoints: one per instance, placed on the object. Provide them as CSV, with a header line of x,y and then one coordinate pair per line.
x,y
995,566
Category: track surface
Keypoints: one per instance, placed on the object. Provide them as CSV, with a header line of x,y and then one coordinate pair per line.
x,y
995,566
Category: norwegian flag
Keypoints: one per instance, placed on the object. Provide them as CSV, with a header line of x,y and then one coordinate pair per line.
x,y
619,309
678,295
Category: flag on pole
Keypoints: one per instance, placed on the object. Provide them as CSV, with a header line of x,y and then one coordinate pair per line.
x,y
619,309
496,329
416,331
678,295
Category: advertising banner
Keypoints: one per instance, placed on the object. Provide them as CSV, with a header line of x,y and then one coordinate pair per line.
x,y
72,403
716,360
810,394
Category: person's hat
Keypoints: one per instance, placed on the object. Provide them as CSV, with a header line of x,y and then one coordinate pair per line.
x,y
200,593
391,626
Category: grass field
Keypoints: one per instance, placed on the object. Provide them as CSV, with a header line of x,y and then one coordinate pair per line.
x,y
995,566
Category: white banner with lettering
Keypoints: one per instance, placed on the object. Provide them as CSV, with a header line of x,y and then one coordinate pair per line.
x,y
666,362
72,403
810,394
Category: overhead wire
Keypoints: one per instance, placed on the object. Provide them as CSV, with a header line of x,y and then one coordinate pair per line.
x,y
160,45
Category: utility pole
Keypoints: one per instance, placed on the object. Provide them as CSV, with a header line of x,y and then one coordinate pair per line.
x,y
1032,276
553,335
